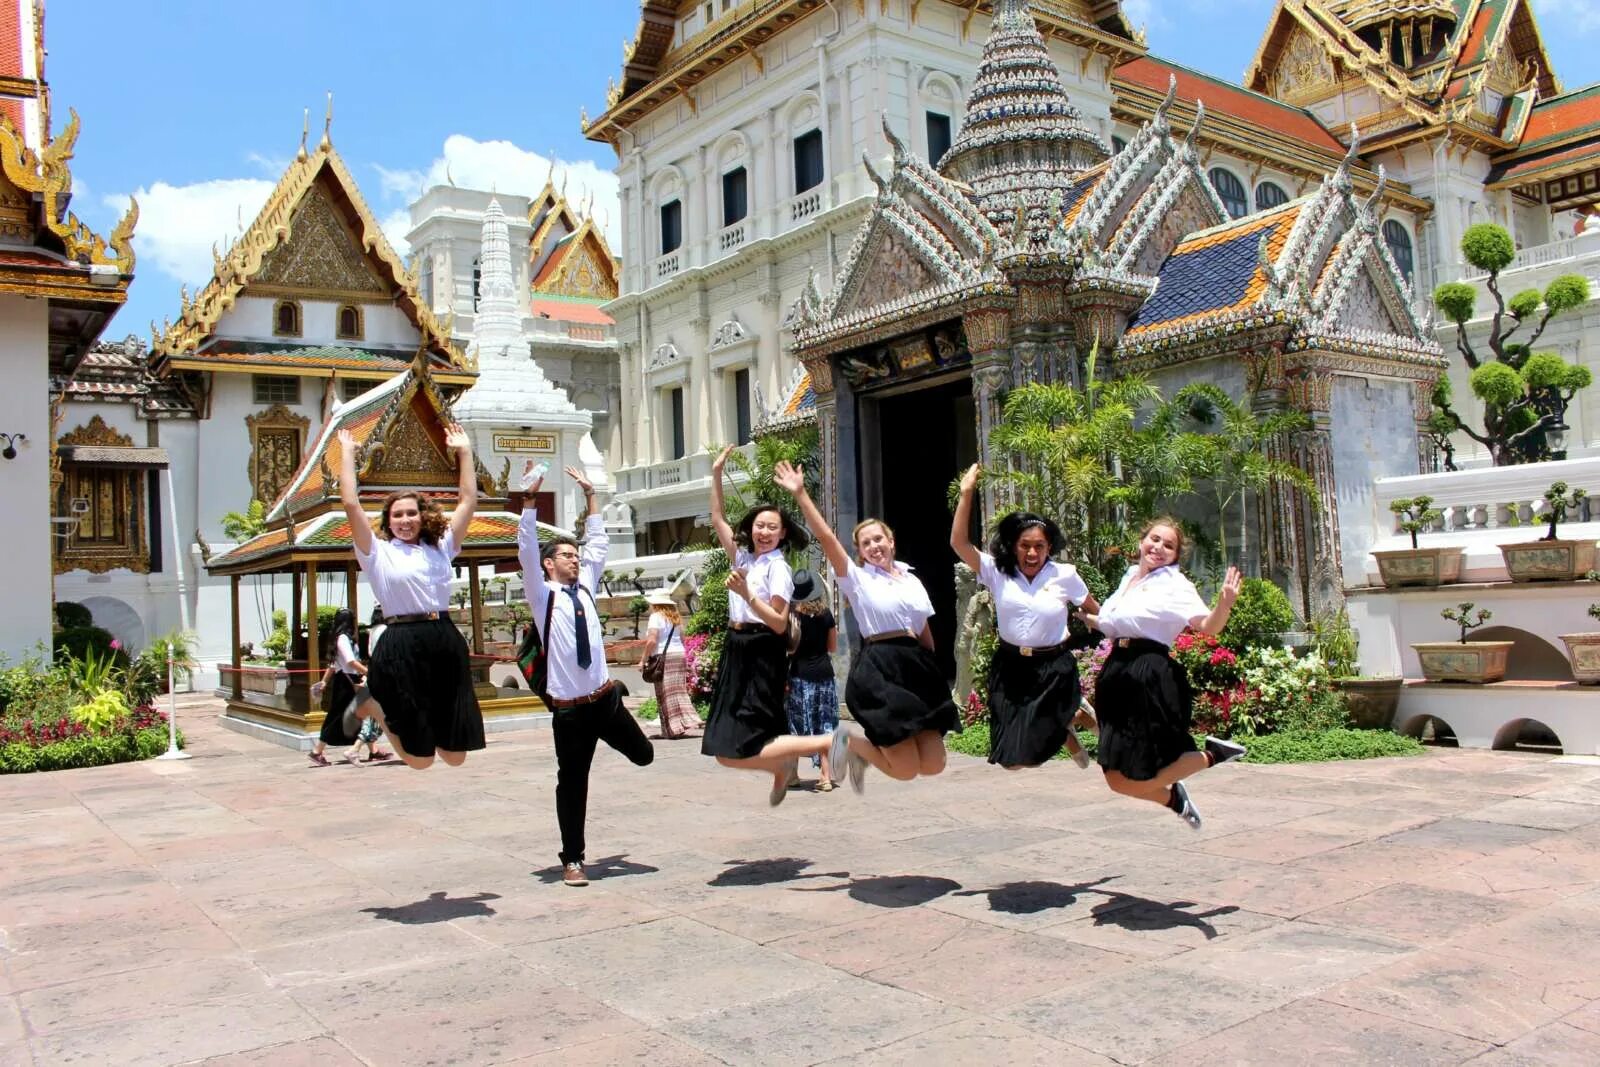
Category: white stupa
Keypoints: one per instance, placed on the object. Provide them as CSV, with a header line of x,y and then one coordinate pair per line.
x,y
513,412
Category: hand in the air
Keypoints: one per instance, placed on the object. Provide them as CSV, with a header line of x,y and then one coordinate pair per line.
x,y
1231,585
583,483
721,460
969,480
532,477
790,478
456,439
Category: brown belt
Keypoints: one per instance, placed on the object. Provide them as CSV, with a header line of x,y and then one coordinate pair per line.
x,y
892,635
562,702
1043,650
421,616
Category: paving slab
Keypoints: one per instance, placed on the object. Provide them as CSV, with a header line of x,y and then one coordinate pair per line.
x,y
246,909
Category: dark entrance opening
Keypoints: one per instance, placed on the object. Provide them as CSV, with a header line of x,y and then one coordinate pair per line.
x,y
925,437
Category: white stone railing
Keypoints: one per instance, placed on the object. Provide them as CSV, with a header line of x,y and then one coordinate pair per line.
x,y
1567,250
1482,508
671,472
732,237
805,205
667,265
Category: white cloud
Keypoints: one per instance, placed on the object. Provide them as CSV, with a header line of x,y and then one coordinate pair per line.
x,y
1142,14
1557,15
178,224
504,166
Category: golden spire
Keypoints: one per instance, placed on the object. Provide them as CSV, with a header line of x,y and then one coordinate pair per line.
x,y
327,125
305,131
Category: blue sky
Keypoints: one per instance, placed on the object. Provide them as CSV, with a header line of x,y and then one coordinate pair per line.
x,y
196,107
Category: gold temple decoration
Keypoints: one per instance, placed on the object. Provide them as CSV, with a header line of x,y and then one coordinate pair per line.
x,y
44,182
277,441
109,504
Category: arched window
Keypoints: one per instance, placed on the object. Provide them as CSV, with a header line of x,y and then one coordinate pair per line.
x,y
349,328
1231,190
1399,242
286,318
1270,195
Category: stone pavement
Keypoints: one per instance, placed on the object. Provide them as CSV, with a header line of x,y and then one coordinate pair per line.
x,y
245,907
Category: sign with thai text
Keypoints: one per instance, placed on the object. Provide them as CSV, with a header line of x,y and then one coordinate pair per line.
x,y
528,442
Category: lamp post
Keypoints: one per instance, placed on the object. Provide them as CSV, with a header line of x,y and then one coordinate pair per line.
x,y
1555,439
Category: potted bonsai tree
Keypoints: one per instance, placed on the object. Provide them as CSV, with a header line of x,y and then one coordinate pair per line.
x,y
1463,660
1415,565
1371,699
1584,651
1552,559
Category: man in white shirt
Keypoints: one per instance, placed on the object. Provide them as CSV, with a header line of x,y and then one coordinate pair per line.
x,y
560,580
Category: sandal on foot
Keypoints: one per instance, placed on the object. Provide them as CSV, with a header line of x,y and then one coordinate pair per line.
x,y
318,759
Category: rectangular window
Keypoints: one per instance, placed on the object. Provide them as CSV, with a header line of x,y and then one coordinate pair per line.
x,y
741,406
350,388
735,202
276,389
671,226
938,136
807,161
675,419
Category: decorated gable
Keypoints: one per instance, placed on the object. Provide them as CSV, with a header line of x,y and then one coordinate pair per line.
x,y
321,257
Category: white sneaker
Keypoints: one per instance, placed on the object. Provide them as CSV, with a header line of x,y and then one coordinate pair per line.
x,y
839,753
1076,751
1189,814
1222,751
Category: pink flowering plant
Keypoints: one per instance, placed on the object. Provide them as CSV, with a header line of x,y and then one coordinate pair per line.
x,y
1212,666
701,653
1090,662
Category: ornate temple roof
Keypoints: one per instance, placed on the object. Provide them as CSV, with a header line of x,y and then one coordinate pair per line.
x,y
286,358
1022,140
117,372
1561,138
570,263
341,250
1227,99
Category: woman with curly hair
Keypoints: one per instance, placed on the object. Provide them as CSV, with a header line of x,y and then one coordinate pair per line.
x,y
748,728
420,674
1033,678
896,692
1144,702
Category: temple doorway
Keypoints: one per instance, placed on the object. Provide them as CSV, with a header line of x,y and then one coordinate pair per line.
x,y
915,442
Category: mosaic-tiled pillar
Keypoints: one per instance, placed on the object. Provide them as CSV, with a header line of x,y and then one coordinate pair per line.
x,y
1422,411
988,338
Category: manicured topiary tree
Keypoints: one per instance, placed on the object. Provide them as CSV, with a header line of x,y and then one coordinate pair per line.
x,y
1462,616
1419,513
1524,393
1560,501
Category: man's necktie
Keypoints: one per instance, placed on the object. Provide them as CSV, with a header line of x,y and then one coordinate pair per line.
x,y
580,626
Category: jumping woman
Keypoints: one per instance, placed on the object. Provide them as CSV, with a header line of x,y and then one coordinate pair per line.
x,y
895,691
1144,702
419,675
1033,678
748,727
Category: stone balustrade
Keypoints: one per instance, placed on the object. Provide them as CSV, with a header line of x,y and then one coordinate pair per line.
x,y
1579,254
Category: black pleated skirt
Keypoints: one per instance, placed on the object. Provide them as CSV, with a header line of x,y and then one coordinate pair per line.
x,y
1032,700
420,675
896,690
1145,707
747,702
340,693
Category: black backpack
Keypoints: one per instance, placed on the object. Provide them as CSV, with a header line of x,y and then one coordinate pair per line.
x,y
533,658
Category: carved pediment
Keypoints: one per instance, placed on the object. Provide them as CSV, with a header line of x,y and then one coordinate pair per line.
x,y
96,432
321,255
409,455
890,268
1304,70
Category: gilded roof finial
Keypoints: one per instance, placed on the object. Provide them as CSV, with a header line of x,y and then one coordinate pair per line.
x,y
327,126
447,176
564,176
305,131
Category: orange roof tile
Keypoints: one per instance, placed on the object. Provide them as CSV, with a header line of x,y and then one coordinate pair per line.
x,y
570,311
1570,114
1230,100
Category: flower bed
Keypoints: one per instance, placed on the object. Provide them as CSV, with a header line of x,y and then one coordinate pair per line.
x,y
27,744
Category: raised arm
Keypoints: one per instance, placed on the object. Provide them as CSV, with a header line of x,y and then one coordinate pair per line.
x,y
719,518
456,439
1218,618
350,495
533,583
792,480
596,544
959,538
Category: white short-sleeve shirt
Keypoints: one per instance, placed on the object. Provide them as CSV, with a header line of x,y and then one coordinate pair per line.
x,y
410,579
1157,609
344,655
1032,612
659,626
768,576
885,603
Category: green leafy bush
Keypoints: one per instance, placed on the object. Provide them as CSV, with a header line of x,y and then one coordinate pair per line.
x,y
1336,642
101,711
276,645
71,615
1316,746
1259,615
649,711
83,641
85,751
973,740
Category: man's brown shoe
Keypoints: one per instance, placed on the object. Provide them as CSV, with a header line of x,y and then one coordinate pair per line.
x,y
572,874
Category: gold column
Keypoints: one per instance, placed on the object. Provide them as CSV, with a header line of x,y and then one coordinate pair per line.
x,y
313,660
477,609
237,687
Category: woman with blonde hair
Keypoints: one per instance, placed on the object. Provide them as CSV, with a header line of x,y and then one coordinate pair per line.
x,y
1142,697
664,632
895,692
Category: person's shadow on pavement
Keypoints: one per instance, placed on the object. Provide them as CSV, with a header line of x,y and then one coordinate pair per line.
x,y
437,908
606,867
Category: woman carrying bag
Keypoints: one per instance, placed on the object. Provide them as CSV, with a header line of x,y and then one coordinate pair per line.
x,y
667,668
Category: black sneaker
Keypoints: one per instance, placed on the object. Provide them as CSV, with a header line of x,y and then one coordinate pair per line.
x,y
1222,751
1186,809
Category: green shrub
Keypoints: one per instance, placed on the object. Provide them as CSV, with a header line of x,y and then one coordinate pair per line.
x,y
649,711
1488,247
71,615
973,740
82,642
1335,641
1316,746
87,751
276,645
1259,615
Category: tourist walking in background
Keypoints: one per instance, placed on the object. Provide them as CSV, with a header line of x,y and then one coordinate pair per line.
x,y
813,700
664,634
1033,678
560,581
895,692
748,728
1142,696
344,682
420,675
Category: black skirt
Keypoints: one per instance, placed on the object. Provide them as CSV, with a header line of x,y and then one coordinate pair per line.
x,y
896,691
1145,708
422,679
747,702
340,692
1032,700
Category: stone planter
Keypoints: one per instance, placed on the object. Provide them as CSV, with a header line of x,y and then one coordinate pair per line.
x,y
259,678
1419,566
1372,701
1584,650
1548,561
1474,661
